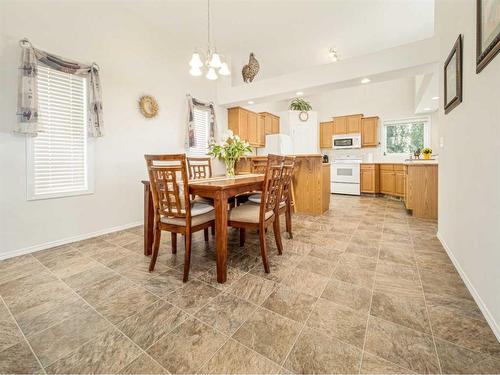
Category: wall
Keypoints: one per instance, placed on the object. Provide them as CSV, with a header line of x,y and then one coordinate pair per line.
x,y
469,174
134,60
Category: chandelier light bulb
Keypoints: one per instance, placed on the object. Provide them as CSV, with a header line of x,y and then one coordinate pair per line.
x,y
215,61
196,61
224,70
211,75
195,71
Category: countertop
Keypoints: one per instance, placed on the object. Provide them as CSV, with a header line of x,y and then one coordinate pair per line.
x,y
419,162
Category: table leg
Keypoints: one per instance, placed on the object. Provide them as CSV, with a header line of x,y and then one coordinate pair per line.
x,y
148,220
220,203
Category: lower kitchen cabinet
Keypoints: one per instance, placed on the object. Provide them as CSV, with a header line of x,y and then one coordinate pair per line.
x,y
399,183
387,179
370,178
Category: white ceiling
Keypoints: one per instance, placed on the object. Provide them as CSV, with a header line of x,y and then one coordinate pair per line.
x,y
288,35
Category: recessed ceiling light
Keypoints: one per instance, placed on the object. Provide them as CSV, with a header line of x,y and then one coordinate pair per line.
x,y
365,80
251,102
435,97
427,109
299,93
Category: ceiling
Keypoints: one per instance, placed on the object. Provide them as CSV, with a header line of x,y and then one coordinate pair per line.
x,y
288,35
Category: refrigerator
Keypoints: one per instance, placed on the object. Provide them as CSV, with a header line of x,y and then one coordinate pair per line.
x,y
296,136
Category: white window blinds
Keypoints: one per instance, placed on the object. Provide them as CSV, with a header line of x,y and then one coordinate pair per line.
x,y
201,126
57,157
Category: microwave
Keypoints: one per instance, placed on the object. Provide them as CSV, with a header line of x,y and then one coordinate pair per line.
x,y
340,141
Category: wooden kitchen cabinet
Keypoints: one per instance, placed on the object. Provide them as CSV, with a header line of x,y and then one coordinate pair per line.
x,y
370,178
325,134
244,123
369,131
347,124
340,125
272,123
261,130
354,124
387,179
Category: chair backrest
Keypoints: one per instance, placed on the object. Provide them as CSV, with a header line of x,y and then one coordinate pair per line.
x,y
199,167
169,185
258,165
286,178
271,191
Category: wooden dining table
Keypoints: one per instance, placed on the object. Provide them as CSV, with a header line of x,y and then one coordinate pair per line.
x,y
220,189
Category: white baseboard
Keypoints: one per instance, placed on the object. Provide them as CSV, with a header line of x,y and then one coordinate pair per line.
x,y
64,241
495,327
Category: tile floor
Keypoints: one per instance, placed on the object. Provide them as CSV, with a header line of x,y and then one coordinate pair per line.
x,y
362,289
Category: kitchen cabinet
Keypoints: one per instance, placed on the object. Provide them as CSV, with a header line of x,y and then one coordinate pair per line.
x,y
369,131
261,130
347,124
325,134
244,123
387,182
370,178
272,123
399,180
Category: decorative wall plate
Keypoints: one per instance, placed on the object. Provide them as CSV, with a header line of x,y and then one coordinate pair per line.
x,y
148,106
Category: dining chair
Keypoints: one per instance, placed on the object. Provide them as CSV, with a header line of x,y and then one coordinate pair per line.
x,y
286,202
252,216
174,212
199,167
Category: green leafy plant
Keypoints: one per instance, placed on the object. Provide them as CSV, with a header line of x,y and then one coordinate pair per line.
x,y
299,104
229,150
427,151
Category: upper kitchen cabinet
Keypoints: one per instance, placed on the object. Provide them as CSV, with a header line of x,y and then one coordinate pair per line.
x,y
245,124
347,124
261,130
272,123
325,134
369,131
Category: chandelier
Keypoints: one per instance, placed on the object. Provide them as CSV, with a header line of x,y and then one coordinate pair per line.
x,y
209,59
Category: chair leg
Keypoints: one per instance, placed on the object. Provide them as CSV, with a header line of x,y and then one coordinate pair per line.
x,y
277,233
263,248
213,230
242,236
288,220
174,242
187,256
156,247
205,234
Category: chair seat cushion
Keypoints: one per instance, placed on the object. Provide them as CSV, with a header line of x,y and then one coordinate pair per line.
x,y
200,213
255,198
203,200
247,213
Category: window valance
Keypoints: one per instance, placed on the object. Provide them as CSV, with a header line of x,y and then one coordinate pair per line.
x,y
191,138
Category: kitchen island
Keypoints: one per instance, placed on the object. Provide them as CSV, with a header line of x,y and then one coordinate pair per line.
x,y
311,182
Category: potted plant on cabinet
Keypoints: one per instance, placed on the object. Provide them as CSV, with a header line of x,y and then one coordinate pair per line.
x,y
230,150
299,104
427,152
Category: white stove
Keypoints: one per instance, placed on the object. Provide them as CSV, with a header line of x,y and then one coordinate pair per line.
x,y
345,176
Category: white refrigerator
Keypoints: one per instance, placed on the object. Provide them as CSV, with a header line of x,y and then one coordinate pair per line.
x,y
296,136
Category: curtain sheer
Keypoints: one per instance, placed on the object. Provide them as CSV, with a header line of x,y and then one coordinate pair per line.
x,y
27,110
191,138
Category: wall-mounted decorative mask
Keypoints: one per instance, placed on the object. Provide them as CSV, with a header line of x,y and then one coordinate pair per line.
x,y
148,106
251,69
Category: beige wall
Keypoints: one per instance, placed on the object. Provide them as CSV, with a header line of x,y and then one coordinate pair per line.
x,y
469,170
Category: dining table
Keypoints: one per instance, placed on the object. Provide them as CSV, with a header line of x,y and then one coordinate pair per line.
x,y
220,189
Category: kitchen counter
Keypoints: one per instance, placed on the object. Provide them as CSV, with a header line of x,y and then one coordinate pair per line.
x,y
311,182
406,162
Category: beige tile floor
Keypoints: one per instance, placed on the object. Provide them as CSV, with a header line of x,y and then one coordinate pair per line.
x,y
364,288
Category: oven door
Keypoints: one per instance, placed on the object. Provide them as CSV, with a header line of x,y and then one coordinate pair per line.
x,y
346,173
346,142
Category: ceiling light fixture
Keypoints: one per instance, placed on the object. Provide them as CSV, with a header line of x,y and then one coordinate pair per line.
x,y
251,102
211,58
435,97
334,55
365,80
299,93
427,109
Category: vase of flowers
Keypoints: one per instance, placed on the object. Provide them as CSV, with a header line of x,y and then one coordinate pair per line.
x,y
229,150
427,152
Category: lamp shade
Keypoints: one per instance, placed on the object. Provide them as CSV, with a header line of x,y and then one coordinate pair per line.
x,y
194,71
224,70
195,61
215,61
211,75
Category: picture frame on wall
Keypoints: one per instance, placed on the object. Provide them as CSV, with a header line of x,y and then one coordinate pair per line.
x,y
487,32
453,77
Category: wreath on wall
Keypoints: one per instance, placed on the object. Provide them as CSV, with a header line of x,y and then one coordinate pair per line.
x,y
148,106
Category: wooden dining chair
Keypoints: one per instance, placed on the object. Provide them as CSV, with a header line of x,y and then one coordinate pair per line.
x,y
252,216
174,212
199,167
285,205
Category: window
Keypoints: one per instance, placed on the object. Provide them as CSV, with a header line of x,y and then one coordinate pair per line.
x,y
406,135
58,158
201,126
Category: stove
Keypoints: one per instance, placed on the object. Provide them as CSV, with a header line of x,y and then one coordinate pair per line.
x,y
345,175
